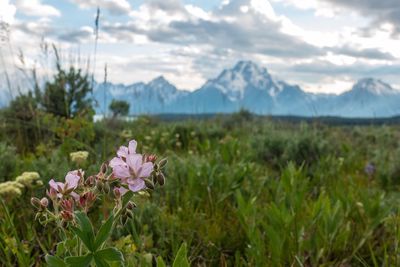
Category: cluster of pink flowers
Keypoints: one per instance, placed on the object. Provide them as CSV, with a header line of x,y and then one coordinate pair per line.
x,y
130,171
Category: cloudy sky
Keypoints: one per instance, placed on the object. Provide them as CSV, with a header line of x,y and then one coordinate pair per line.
x,y
322,45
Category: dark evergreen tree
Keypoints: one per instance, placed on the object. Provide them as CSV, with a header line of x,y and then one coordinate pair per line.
x,y
68,94
119,108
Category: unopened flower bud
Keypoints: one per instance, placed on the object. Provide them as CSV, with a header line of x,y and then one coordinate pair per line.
x,y
90,180
151,158
106,188
103,168
149,183
87,199
44,202
67,215
117,193
163,163
67,205
99,185
36,202
160,178
131,205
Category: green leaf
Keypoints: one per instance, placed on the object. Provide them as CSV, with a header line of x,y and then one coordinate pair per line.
x,y
181,259
104,232
53,261
100,262
110,254
82,236
79,261
160,262
86,229
60,248
84,222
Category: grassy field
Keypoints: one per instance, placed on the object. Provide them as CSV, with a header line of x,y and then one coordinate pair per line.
x,y
240,190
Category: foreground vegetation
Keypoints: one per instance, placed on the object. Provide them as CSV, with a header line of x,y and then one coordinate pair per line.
x,y
240,191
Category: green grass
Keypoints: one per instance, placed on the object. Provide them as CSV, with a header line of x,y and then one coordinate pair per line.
x,y
239,192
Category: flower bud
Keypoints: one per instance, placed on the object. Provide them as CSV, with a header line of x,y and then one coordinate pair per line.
x,y
149,183
87,199
160,178
163,163
90,180
106,188
151,158
103,168
131,205
100,185
67,215
36,202
117,193
44,202
67,205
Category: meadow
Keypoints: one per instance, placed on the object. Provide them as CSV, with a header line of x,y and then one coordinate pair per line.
x,y
240,190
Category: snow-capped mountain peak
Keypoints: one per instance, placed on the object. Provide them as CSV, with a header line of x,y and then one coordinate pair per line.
x,y
244,75
373,86
160,83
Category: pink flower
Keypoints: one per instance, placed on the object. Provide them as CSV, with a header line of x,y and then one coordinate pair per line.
x,y
131,168
71,183
133,171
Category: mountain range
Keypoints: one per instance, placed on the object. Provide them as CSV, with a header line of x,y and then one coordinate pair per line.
x,y
249,86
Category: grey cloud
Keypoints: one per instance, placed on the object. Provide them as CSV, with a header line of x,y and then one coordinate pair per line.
x,y
380,10
370,53
76,36
250,32
37,29
256,37
358,69
168,6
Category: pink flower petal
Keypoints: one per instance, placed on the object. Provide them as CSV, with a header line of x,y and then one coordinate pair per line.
x,y
132,147
136,185
72,179
123,152
56,185
116,162
146,170
75,196
121,171
134,161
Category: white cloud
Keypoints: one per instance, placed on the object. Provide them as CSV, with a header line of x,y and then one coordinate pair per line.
x,y
7,11
321,9
115,7
36,8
